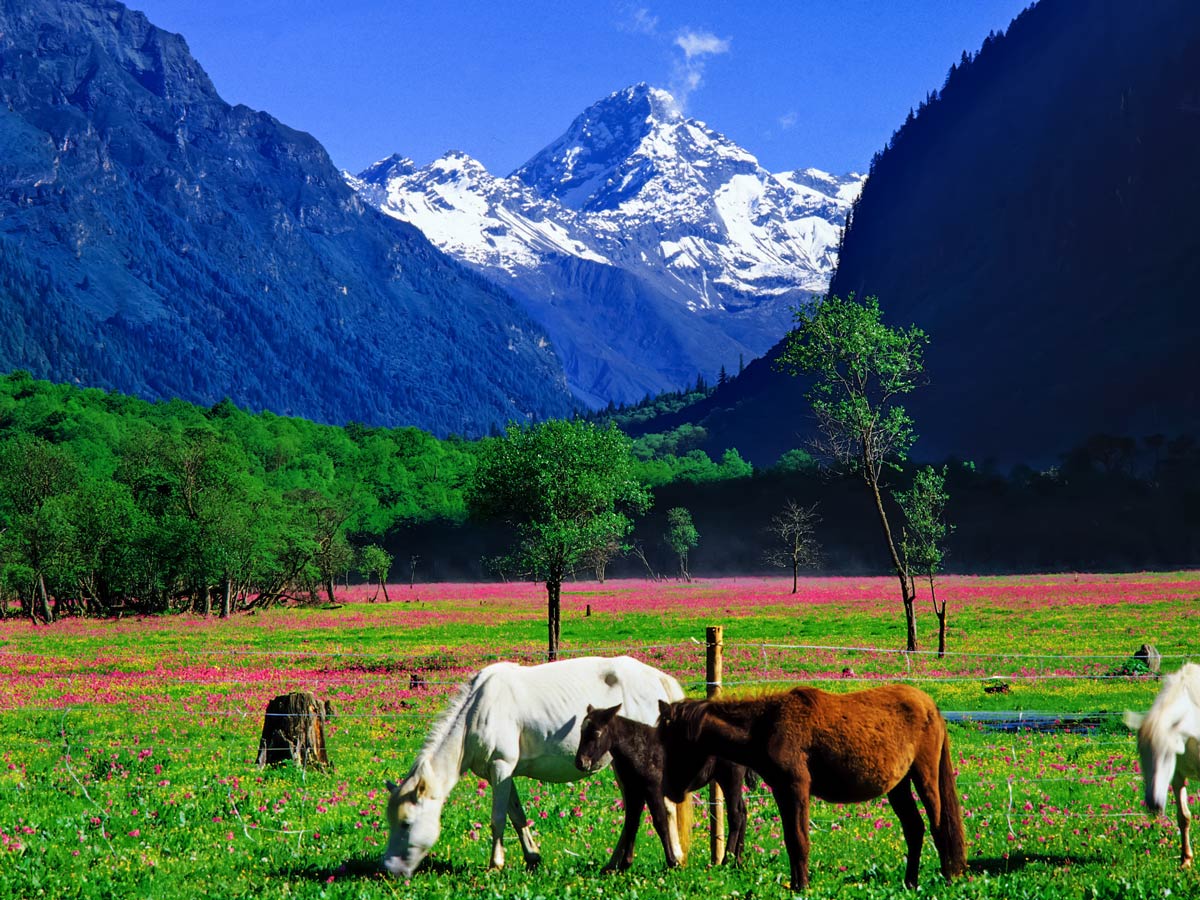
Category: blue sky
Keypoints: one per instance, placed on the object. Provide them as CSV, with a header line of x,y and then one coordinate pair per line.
x,y
796,82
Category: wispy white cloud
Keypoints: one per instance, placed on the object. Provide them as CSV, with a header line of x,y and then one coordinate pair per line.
x,y
788,120
696,44
639,20
688,73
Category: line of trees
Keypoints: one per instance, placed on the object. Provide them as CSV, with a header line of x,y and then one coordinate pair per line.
x,y
108,503
112,504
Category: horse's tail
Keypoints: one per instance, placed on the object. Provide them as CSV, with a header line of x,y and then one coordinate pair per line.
x,y
684,817
953,849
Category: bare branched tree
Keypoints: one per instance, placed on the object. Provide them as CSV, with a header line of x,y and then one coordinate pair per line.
x,y
795,533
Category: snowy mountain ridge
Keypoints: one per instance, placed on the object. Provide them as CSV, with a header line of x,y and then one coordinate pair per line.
x,y
633,184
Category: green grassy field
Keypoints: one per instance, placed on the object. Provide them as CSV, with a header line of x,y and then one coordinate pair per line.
x,y
127,764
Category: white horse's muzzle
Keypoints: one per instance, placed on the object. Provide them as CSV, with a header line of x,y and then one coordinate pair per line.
x,y
397,867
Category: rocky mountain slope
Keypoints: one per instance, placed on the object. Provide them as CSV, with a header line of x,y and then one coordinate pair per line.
x,y
158,241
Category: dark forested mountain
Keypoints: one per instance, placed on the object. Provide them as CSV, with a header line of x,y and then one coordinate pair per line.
x,y
1039,217
156,240
1041,220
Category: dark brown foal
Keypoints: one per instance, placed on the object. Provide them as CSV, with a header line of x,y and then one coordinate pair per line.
x,y
637,759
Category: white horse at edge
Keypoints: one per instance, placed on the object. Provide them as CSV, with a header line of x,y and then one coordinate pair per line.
x,y
1168,739
511,720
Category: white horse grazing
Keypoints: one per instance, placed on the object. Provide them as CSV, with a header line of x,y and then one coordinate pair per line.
x,y
1169,746
512,720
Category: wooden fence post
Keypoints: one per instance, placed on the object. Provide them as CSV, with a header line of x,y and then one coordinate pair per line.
x,y
714,644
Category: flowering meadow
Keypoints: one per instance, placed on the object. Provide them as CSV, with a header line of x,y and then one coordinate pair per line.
x,y
128,759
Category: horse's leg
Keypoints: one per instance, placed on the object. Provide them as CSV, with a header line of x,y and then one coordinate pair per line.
x,y
516,815
932,775
905,806
731,779
1184,818
675,838
634,797
793,817
502,791
666,823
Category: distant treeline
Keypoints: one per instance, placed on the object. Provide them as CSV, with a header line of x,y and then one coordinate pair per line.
x,y
111,503
1095,512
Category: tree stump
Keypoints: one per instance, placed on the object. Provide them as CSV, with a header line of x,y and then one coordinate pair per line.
x,y
1148,655
294,728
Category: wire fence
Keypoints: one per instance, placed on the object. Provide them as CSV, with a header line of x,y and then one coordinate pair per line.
x,y
749,664
780,664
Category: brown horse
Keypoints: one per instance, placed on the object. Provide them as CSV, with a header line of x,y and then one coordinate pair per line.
x,y
843,748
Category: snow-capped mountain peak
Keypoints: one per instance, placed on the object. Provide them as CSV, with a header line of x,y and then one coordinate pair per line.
x,y
494,223
682,211
624,142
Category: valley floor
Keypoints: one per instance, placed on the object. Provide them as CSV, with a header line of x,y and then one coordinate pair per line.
x,y
128,763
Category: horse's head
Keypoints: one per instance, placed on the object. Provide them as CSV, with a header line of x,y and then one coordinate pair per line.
x,y
414,816
678,729
595,738
1161,737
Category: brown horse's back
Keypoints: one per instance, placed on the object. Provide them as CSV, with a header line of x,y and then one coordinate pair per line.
x,y
859,745
844,748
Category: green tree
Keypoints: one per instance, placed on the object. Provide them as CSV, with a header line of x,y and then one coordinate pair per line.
x,y
374,561
794,529
598,558
564,485
733,466
795,460
107,525
324,522
36,479
682,537
195,487
860,368
925,531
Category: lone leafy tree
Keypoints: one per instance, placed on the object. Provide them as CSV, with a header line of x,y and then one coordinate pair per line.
x,y
860,368
925,532
794,529
682,537
374,561
564,486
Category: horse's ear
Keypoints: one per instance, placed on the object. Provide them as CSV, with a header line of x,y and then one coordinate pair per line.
x,y
591,709
391,786
606,715
423,790
1133,720
664,711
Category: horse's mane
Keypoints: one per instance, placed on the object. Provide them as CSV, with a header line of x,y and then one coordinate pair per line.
x,y
736,710
443,724
1176,687
690,713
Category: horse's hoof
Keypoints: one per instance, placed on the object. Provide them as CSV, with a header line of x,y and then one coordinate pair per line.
x,y
533,861
1185,863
